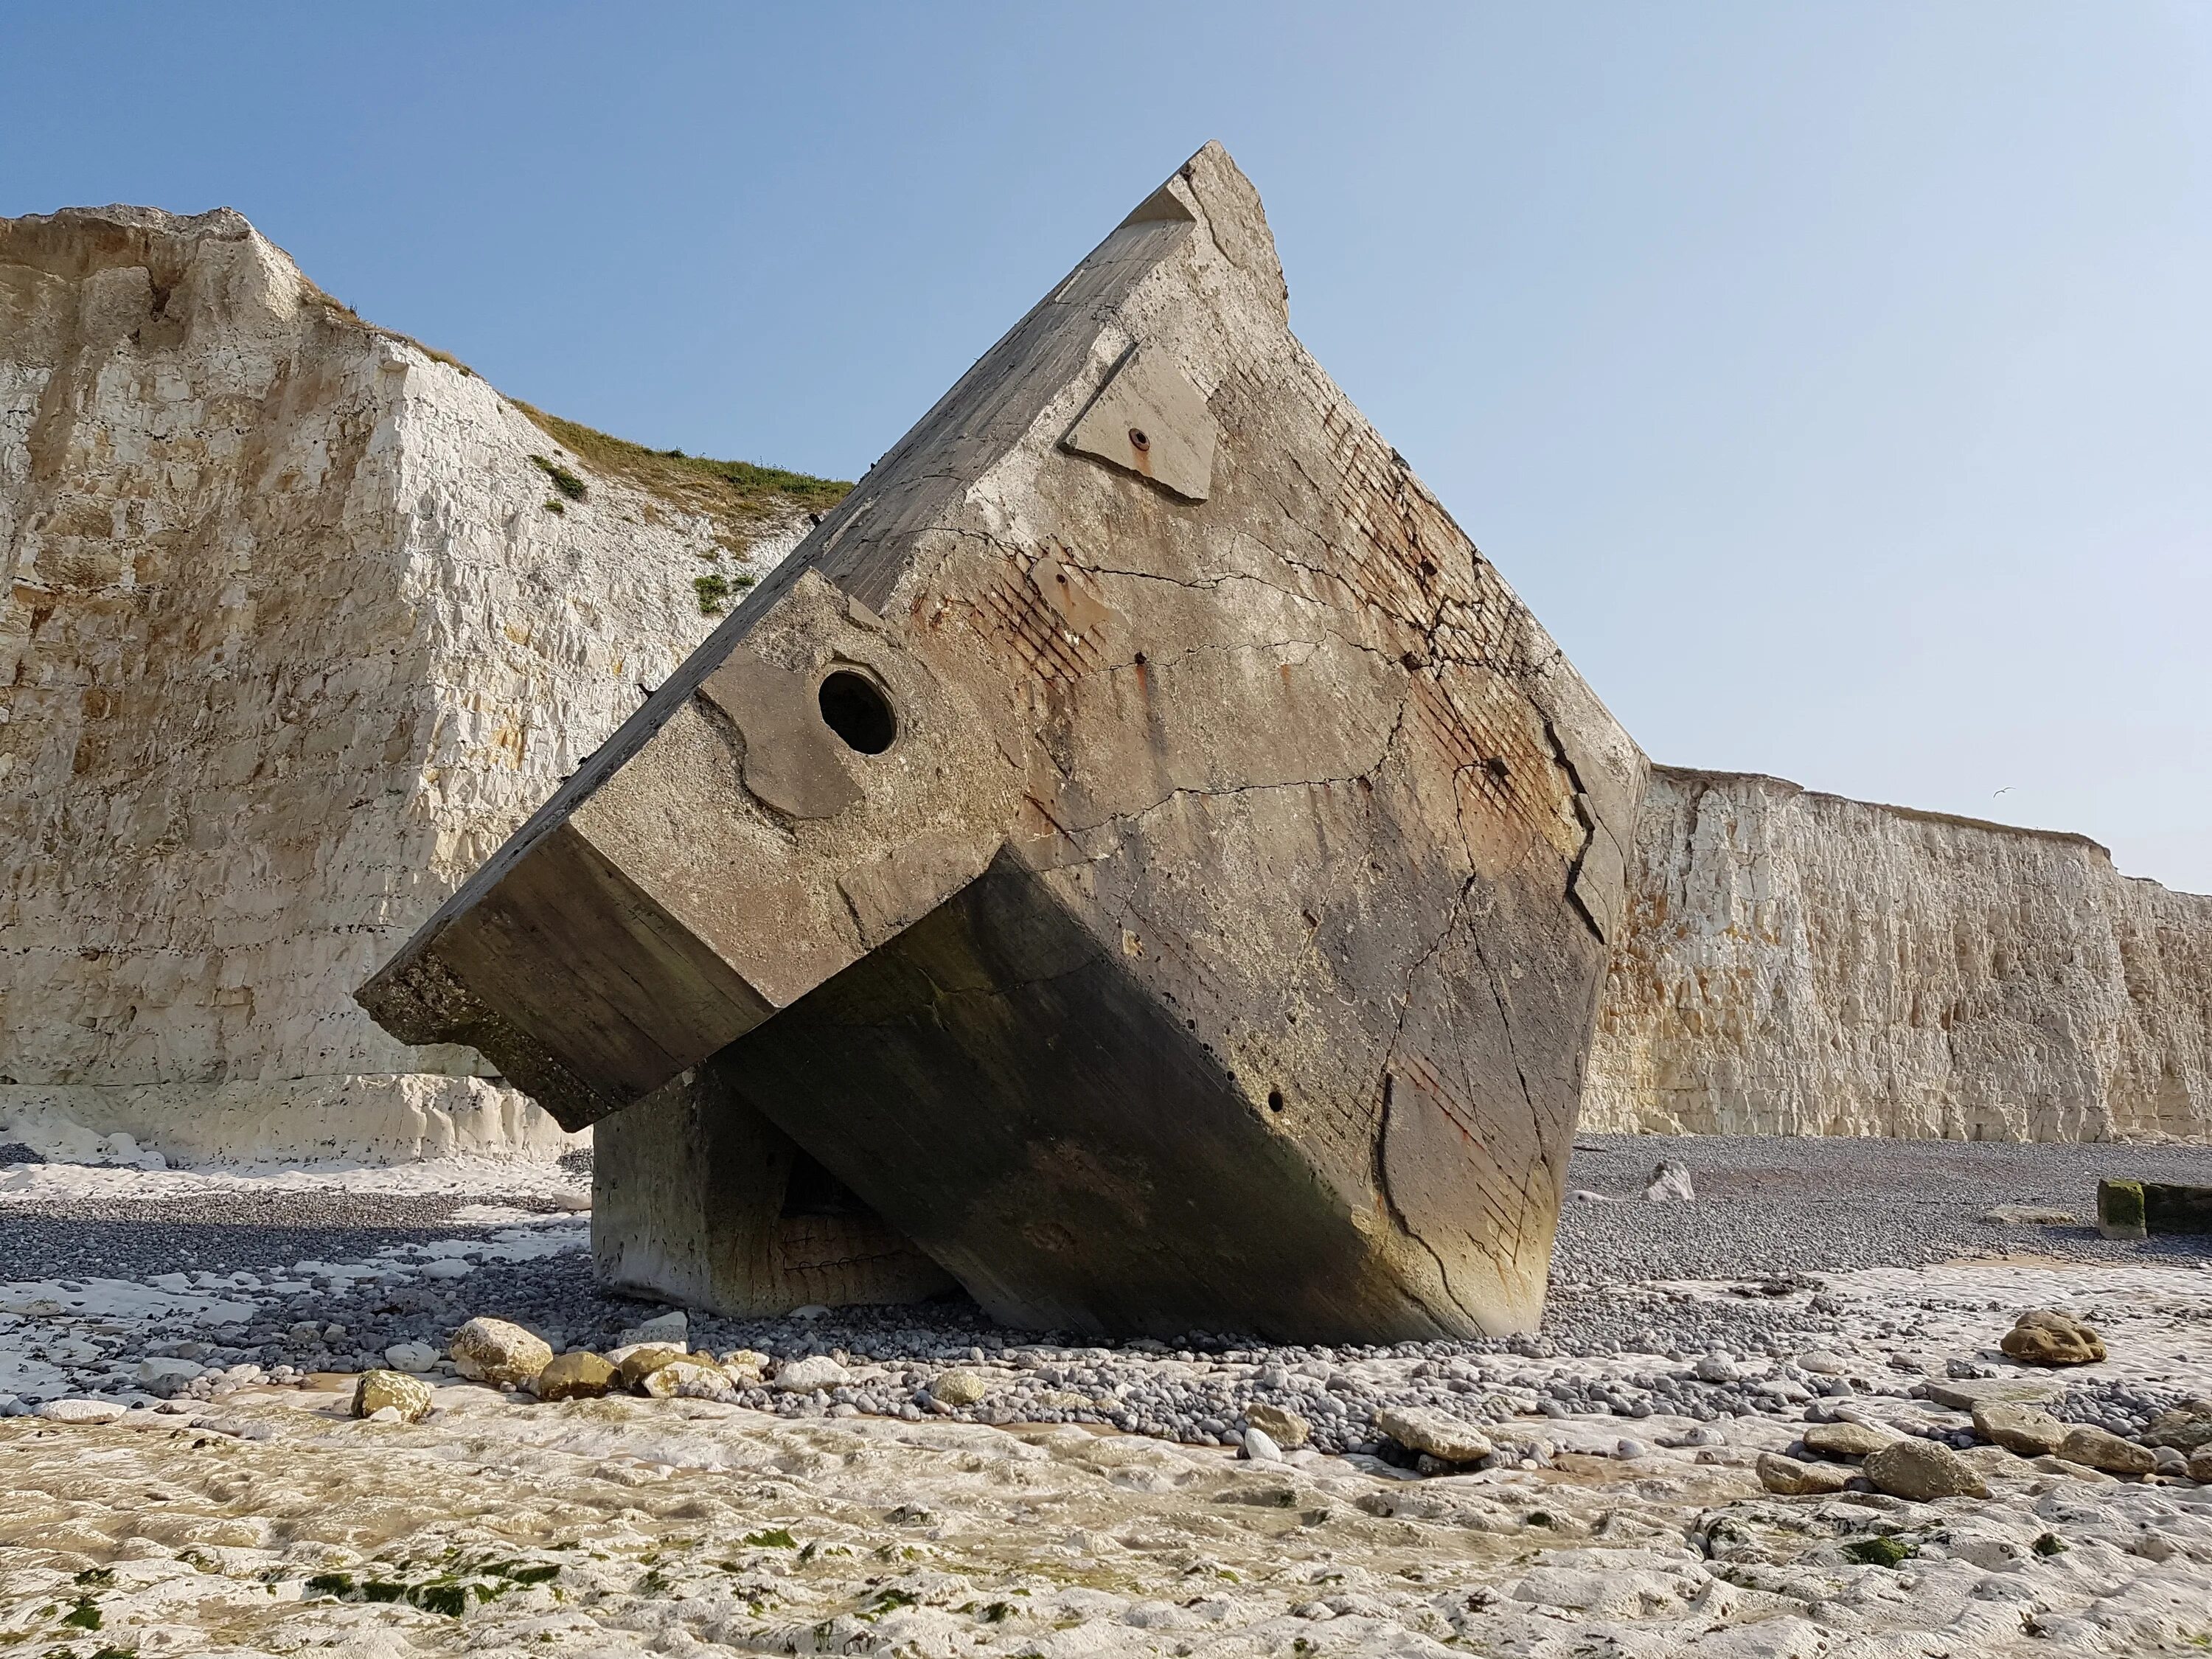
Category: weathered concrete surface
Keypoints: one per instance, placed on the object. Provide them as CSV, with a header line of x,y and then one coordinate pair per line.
x,y
1217,940
1799,964
2137,1209
292,642
697,1197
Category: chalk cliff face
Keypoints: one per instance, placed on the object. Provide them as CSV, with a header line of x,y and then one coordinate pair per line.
x,y
1798,964
297,631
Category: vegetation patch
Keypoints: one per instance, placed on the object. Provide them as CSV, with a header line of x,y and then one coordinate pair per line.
x,y
1879,1552
738,495
564,480
890,1601
716,590
451,1594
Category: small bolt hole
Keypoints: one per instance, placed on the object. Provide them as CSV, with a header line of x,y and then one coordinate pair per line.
x,y
857,712
1137,439
1274,1100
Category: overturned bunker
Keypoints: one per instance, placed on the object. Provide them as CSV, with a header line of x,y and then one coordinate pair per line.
x,y
1136,850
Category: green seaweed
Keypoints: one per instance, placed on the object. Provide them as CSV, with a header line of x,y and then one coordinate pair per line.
x,y
1880,1552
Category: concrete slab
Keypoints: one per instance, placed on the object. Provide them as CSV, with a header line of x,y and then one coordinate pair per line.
x,y
1170,884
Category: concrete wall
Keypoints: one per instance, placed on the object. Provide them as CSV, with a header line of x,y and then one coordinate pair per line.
x,y
292,640
1798,964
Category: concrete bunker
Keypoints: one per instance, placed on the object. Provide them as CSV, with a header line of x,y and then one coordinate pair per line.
x,y
1137,847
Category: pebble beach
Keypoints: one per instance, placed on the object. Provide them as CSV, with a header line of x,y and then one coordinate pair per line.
x,y
205,1332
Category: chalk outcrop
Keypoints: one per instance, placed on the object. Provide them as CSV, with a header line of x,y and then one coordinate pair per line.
x,y
297,630
1799,964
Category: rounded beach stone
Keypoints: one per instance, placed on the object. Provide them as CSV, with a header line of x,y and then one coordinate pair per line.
x,y
689,1378
1718,1366
958,1387
2018,1428
745,1366
398,1391
1442,1436
806,1376
577,1376
2185,1428
2100,1449
1923,1470
1792,1478
2044,1337
1846,1439
493,1351
1285,1428
417,1356
641,1359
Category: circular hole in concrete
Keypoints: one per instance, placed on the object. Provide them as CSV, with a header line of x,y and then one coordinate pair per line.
x,y
1274,1100
857,711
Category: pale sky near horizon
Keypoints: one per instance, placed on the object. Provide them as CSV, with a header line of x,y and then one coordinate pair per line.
x,y
1834,380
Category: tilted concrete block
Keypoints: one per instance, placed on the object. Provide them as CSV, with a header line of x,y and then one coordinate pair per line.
x,y
1136,844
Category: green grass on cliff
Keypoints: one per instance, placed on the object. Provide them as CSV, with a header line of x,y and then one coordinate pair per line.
x,y
737,495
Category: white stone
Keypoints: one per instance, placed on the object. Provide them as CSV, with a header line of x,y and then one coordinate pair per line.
x,y
81,1412
807,1376
1442,1436
1669,1184
412,1356
1261,1448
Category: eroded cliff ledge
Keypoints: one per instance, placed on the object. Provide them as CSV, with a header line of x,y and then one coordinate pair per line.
x,y
302,620
1799,964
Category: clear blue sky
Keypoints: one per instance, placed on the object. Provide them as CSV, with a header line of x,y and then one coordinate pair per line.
x,y
1835,379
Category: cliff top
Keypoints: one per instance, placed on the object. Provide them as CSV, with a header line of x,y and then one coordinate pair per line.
x,y
1918,814
74,243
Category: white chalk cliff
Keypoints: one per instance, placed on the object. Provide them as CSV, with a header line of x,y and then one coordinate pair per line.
x,y
297,632
1799,964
